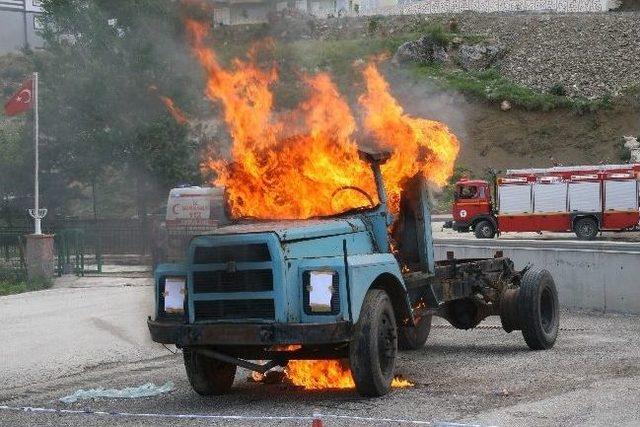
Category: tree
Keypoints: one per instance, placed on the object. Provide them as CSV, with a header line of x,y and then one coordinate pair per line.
x,y
104,65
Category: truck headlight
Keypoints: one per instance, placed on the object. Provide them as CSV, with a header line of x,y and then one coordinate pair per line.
x,y
321,292
173,294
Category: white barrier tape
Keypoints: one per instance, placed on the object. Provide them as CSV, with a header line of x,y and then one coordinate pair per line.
x,y
224,417
150,415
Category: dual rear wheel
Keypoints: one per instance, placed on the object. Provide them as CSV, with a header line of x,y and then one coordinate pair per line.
x,y
538,309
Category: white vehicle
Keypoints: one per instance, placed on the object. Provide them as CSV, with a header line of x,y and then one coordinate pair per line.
x,y
191,211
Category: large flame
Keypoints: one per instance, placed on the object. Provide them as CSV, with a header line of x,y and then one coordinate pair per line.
x,y
305,163
327,374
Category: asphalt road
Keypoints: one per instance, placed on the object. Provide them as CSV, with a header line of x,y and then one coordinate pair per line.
x,y
93,334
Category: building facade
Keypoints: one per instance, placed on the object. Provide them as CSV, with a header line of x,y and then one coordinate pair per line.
x,y
235,12
19,25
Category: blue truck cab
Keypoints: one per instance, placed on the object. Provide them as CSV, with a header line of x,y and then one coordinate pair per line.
x,y
328,288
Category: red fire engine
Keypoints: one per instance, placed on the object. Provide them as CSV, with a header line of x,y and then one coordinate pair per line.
x,y
580,199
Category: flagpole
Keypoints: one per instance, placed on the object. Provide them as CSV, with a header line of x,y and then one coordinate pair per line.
x,y
37,218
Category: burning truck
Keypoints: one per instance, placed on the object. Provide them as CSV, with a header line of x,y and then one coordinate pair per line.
x,y
329,255
332,288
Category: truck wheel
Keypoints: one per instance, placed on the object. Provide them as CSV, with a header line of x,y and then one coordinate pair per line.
x,y
208,376
414,338
586,228
539,309
373,349
484,230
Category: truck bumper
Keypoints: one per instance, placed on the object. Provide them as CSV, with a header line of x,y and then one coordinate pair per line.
x,y
249,334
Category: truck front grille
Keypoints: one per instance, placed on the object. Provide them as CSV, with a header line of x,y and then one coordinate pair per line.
x,y
235,309
233,281
237,281
257,252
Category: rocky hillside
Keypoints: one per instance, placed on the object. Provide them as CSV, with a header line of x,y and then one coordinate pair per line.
x,y
586,55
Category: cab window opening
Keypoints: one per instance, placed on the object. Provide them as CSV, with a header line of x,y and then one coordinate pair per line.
x,y
466,192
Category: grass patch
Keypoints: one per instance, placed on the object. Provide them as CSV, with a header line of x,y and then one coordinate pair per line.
x,y
10,287
14,281
490,85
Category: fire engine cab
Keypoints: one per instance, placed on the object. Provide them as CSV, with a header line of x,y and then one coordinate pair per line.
x,y
580,199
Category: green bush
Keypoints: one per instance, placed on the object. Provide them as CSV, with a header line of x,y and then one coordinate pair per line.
x,y
14,281
558,90
373,24
439,35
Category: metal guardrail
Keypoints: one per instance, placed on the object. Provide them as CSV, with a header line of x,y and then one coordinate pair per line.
x,y
543,244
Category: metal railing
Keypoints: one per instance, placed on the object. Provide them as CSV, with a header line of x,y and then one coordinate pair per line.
x,y
79,244
12,255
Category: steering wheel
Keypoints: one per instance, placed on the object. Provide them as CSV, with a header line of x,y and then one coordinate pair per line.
x,y
352,188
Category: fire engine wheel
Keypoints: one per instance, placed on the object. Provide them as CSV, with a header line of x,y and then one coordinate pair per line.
x,y
484,230
586,228
208,376
373,349
414,338
539,309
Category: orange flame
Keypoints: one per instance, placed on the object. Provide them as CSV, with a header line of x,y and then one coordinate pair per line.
x,y
305,163
327,374
175,112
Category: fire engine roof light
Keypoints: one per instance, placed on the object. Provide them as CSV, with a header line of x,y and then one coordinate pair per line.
x,y
565,169
513,180
621,176
549,179
583,177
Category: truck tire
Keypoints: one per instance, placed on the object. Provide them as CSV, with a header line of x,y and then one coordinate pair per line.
x,y
586,228
414,338
538,309
374,346
484,230
208,376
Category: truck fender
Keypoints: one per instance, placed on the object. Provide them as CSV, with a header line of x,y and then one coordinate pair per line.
x,y
398,295
378,271
479,218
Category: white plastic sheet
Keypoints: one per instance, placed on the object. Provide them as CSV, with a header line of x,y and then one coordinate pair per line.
x,y
145,390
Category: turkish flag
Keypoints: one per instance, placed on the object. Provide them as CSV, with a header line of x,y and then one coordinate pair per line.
x,y
21,101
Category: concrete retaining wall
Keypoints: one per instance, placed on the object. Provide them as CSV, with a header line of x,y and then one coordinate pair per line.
x,y
603,276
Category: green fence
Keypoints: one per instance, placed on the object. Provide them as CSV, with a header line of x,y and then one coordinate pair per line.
x,y
73,247
12,259
79,244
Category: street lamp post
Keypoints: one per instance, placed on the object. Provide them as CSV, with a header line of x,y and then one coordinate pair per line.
x,y
36,213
